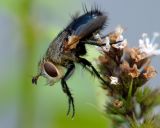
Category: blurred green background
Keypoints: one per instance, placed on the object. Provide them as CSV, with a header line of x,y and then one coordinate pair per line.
x,y
26,29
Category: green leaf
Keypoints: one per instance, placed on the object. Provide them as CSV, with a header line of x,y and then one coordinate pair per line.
x,y
150,123
142,93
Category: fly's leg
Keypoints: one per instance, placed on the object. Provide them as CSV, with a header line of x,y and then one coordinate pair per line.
x,y
92,42
84,62
70,70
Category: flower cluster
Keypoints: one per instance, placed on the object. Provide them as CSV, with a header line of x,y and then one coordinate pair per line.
x,y
120,63
127,70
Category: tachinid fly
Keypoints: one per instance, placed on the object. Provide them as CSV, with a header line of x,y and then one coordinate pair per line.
x,y
68,48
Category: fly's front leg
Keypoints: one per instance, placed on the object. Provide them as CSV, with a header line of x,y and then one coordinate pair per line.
x,y
70,70
93,42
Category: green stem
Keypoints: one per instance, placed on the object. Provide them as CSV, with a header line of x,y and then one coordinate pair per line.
x,y
130,92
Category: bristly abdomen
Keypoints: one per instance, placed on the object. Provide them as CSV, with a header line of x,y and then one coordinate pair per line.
x,y
85,25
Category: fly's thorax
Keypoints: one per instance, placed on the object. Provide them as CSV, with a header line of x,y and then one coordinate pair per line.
x,y
57,52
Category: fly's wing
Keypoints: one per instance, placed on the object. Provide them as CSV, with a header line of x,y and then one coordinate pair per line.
x,y
87,29
84,26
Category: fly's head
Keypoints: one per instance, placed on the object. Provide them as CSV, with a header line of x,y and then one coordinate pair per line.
x,y
51,71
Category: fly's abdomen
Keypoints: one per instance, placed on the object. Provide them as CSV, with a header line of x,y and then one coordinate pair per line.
x,y
85,25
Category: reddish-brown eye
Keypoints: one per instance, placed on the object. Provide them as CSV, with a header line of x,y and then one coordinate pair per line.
x,y
50,69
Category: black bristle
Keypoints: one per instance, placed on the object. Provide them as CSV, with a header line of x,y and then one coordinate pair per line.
x,y
96,10
84,8
75,16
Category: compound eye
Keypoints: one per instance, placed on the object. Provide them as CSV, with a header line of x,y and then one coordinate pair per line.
x,y
50,69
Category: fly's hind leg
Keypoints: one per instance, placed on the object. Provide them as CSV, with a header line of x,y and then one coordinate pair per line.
x,y
84,62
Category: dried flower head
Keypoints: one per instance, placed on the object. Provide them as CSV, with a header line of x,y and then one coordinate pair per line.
x,y
134,72
149,72
120,45
135,55
124,67
117,103
107,47
105,41
116,36
129,71
112,40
